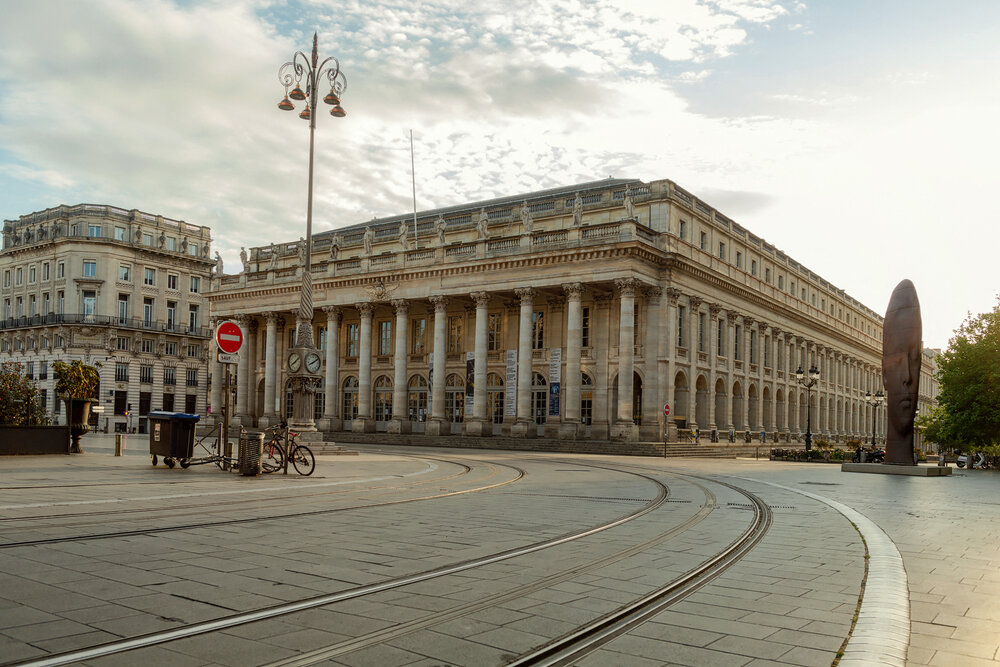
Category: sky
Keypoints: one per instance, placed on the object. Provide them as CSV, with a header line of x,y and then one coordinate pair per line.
x,y
858,137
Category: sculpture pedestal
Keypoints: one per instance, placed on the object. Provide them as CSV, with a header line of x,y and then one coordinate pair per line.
x,y
884,469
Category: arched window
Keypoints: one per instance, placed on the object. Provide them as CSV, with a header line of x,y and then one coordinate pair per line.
x,y
494,398
454,398
350,398
417,399
383,398
586,399
539,398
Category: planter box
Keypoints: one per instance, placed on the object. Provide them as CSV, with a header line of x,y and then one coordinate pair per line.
x,y
34,440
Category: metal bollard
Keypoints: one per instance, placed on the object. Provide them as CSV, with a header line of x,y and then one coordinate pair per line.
x,y
118,444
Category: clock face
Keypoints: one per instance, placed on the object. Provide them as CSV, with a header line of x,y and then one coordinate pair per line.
x,y
312,362
294,362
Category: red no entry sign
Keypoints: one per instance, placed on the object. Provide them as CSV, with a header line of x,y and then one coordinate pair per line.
x,y
229,338
666,409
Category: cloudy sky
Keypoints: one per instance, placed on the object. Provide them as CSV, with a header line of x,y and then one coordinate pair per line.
x,y
857,136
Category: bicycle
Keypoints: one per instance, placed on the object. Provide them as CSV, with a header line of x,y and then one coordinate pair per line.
x,y
300,456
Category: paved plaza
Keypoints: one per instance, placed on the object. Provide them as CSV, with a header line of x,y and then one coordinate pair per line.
x,y
419,556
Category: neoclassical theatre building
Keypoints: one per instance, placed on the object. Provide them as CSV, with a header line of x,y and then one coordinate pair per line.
x,y
610,310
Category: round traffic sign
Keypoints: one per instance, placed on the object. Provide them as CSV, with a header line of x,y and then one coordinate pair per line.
x,y
666,409
229,337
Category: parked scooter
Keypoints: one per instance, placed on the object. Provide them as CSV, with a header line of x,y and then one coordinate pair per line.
x,y
979,461
877,456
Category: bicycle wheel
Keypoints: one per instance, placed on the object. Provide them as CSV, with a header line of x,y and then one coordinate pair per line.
x,y
303,460
272,460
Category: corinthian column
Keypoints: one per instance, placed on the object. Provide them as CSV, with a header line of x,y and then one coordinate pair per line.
x,y
624,428
525,425
400,422
438,425
270,416
218,370
479,425
365,422
243,389
331,381
570,427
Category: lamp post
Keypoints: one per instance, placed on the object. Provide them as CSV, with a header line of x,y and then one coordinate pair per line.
x,y
305,74
808,383
875,401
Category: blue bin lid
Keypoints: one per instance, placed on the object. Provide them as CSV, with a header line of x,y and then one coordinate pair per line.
x,y
162,414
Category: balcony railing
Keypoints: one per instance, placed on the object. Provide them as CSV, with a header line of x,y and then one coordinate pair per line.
x,y
103,320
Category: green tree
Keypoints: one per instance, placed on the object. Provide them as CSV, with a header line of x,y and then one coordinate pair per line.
x,y
20,404
969,376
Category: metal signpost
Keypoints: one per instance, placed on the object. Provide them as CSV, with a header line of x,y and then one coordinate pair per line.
x,y
229,339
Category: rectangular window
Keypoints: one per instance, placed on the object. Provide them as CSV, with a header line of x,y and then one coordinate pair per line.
x,y
585,326
767,276
32,273
124,272
171,243
147,312
45,303
703,240
147,239
89,305
803,293
494,332
537,330
753,267
18,276
680,325
31,306
124,343
121,372
683,231
739,260
737,332
147,345
149,277
171,315
192,377
20,306
701,332
171,349
455,333
353,333
123,309
192,318
753,348
61,270
31,370
61,301
720,334
418,335
385,338
95,231
119,233
722,250
195,284
193,350
781,282
321,337
767,351
89,268
43,367
45,271
6,278
169,376
171,281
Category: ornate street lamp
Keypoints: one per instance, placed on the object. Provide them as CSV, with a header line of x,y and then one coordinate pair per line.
x,y
306,74
808,383
874,401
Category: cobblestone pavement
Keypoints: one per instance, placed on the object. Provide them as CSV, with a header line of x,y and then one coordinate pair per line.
x,y
110,548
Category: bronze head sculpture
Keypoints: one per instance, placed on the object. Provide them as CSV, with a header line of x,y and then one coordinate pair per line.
x,y
901,352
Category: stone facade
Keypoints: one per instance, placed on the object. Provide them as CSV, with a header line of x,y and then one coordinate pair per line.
x,y
119,287
518,315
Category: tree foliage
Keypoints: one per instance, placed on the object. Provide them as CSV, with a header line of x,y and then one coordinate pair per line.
x,y
969,376
20,403
76,379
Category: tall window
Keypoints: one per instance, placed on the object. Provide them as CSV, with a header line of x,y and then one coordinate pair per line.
x,y
539,398
124,343
494,332
494,398
720,337
192,377
171,315
146,373
147,345
736,342
61,301
171,281
585,326
683,232
701,332
121,372
767,351
321,336
416,399
192,317
739,260
89,268
195,284
586,400
383,398
119,233
385,337
722,250
169,375
147,312
681,312
45,303
537,330
45,271
123,309
753,267
124,273
455,333
31,275
353,333
149,277
418,335
89,305
454,398
350,395
61,270
702,240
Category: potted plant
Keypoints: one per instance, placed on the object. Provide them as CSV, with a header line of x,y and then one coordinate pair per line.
x,y
76,383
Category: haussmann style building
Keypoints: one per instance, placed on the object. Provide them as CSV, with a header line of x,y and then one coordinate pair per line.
x,y
615,310
119,287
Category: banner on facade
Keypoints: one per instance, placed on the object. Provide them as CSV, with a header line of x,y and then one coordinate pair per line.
x,y
470,374
555,380
510,384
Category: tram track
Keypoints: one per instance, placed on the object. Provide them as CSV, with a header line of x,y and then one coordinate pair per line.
x,y
284,609
519,474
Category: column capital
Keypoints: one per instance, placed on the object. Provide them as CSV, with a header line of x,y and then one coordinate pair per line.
x,y
242,319
439,302
366,308
332,312
762,327
775,331
627,286
401,306
731,317
525,294
714,309
652,292
271,317
556,302
695,302
603,300
482,299
748,322
673,295
574,291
